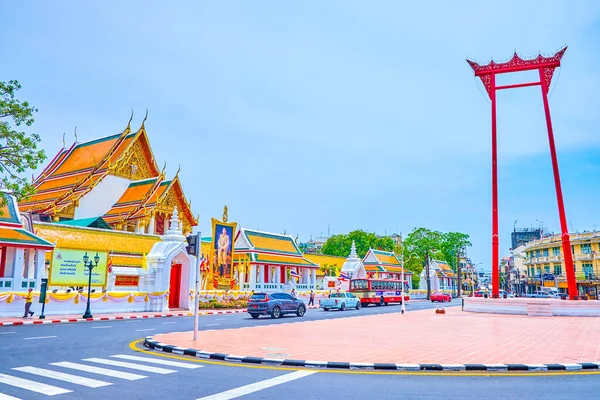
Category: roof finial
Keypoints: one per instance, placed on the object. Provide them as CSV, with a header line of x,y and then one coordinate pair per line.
x,y
75,134
129,122
225,214
144,120
162,173
64,144
178,169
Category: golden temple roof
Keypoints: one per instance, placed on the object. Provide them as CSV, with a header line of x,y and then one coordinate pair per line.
x,y
76,170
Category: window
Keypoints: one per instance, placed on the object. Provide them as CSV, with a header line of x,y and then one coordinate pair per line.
x,y
586,248
537,253
545,252
556,251
557,269
588,271
546,269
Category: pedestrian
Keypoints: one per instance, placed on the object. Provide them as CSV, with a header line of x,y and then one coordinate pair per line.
x,y
28,301
293,292
311,300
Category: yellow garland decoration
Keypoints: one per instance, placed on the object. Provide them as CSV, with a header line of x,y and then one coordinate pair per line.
x,y
10,298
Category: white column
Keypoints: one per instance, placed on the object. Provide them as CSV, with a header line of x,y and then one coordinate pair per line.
x,y
252,277
277,277
151,225
18,270
261,274
313,277
31,264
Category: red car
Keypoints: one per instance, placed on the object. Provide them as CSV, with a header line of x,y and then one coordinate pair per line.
x,y
441,297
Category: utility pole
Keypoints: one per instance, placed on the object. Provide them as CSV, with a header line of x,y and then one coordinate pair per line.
x,y
427,274
459,274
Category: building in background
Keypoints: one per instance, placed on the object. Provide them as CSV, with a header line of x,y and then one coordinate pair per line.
x,y
522,236
544,263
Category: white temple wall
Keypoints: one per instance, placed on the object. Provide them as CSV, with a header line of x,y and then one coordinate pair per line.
x,y
102,197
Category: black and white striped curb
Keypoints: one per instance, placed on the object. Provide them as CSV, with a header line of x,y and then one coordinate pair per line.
x,y
152,344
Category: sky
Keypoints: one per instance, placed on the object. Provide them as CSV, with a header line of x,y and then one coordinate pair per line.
x,y
312,116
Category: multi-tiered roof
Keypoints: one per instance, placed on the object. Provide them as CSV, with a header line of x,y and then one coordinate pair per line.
x,y
76,170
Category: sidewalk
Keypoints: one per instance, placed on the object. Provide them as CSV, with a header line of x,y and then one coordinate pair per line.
x,y
418,337
72,318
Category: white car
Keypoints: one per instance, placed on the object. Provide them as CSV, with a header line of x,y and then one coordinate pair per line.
x,y
340,301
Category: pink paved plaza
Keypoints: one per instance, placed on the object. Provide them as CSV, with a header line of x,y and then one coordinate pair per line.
x,y
414,338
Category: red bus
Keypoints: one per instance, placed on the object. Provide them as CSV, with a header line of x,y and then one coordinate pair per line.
x,y
378,291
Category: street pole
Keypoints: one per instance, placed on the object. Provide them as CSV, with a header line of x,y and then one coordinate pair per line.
x,y
427,274
197,286
459,274
403,306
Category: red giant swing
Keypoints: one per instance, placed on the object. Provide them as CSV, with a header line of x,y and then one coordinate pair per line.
x,y
487,73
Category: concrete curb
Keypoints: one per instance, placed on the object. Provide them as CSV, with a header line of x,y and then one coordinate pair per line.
x,y
152,344
122,317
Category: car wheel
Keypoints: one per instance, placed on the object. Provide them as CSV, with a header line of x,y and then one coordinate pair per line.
x,y
276,313
326,309
255,316
343,307
358,305
301,311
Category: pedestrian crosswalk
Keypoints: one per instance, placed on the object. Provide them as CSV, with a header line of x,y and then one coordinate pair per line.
x,y
24,378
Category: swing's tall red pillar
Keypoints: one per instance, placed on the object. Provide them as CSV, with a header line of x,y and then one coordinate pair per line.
x,y
487,74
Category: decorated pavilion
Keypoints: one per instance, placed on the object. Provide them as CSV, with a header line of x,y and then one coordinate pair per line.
x,y
116,178
275,262
385,265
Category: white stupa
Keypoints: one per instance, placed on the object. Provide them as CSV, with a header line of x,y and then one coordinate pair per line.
x,y
353,266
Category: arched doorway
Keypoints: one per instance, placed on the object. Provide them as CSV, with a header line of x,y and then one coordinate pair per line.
x,y
180,281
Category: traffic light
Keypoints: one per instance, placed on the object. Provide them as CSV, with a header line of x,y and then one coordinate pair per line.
x,y
193,247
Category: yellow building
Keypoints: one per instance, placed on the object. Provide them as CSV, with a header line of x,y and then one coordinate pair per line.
x,y
544,260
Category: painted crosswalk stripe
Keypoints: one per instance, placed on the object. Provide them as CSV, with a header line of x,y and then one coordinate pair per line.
x,y
7,397
255,387
159,361
140,367
101,371
61,376
32,385
39,337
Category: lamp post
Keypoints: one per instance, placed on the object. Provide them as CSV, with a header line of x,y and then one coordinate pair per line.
x,y
87,263
403,305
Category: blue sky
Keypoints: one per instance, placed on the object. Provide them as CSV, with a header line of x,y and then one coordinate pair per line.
x,y
348,114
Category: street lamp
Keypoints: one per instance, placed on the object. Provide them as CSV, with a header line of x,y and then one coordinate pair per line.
x,y
87,263
403,305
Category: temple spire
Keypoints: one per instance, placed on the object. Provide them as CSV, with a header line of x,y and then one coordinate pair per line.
x,y
353,254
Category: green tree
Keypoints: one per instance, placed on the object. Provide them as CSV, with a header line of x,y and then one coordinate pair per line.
x,y
18,150
452,244
339,245
415,247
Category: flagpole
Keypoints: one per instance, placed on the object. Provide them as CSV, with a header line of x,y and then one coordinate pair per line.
x,y
197,286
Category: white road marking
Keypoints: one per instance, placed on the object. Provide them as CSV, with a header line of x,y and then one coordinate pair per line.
x,y
32,385
7,397
61,376
6,333
39,337
123,364
168,323
212,324
220,319
158,361
255,387
101,327
101,371
146,329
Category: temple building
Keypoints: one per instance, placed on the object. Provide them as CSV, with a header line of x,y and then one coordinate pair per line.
x,y
113,181
276,262
385,265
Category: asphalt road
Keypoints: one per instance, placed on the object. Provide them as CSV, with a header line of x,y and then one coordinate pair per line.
x,y
79,348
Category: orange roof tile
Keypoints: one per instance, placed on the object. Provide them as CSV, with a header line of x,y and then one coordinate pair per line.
x,y
87,155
